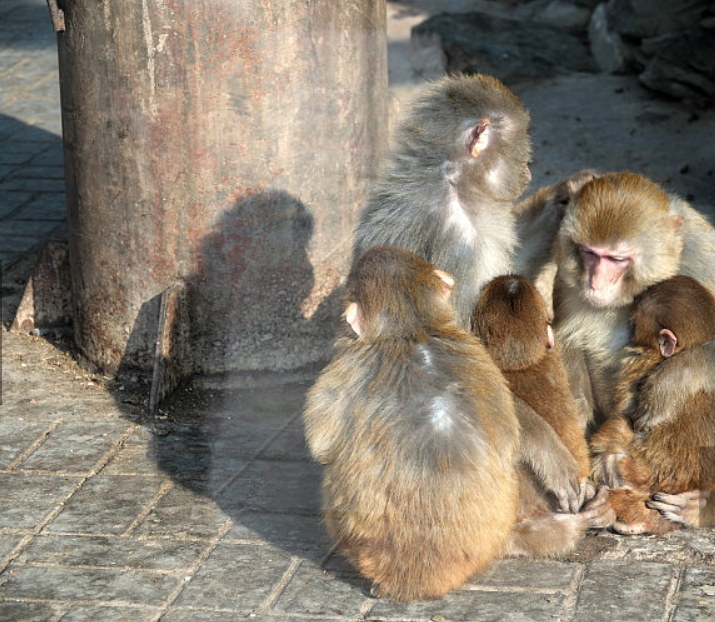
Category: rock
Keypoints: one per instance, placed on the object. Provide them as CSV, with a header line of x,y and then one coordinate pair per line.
x,y
609,51
560,13
682,65
509,49
649,18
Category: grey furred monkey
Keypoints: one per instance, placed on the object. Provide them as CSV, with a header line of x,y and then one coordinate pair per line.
x,y
460,161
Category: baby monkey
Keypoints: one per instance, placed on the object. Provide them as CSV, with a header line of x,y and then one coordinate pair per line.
x,y
417,429
511,319
674,458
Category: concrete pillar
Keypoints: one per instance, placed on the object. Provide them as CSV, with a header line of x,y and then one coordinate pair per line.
x,y
227,145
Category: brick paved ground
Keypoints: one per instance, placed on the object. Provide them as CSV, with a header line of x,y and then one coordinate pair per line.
x,y
210,512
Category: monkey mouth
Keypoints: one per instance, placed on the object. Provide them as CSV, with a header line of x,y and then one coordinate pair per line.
x,y
598,298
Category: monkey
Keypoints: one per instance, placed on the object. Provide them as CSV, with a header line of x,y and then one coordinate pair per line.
x,y
460,160
671,459
538,219
620,234
416,427
511,319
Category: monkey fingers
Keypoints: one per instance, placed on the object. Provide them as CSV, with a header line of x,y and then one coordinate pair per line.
x,y
684,508
550,460
598,510
588,492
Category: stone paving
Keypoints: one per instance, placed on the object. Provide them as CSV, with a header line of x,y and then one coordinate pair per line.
x,y
209,512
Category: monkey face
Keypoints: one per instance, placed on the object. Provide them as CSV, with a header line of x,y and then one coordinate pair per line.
x,y
605,272
617,238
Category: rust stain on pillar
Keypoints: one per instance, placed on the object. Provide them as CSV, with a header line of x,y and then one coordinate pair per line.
x,y
229,145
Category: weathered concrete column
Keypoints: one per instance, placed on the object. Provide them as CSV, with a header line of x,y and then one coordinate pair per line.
x,y
225,144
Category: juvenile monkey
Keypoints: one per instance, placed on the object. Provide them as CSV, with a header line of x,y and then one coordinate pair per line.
x,y
416,427
512,321
460,161
620,234
676,457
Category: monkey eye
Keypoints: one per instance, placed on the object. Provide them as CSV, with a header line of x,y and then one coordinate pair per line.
x,y
618,259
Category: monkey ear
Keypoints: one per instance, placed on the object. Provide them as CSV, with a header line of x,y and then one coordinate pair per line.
x,y
478,138
667,342
675,222
352,317
448,282
550,336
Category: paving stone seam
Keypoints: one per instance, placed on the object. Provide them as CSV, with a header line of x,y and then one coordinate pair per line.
x,y
190,571
674,592
568,607
223,487
109,569
55,511
68,604
513,588
23,456
280,586
164,489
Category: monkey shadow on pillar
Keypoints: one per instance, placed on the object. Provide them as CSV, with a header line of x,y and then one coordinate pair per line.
x,y
232,433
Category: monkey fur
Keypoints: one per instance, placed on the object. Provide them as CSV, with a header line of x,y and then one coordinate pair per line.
x,y
460,161
511,319
620,234
538,219
675,457
416,428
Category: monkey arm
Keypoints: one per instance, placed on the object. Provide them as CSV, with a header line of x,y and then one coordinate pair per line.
x,y
548,457
672,383
695,508
608,447
538,221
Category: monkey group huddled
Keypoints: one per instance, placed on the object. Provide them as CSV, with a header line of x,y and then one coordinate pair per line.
x,y
471,413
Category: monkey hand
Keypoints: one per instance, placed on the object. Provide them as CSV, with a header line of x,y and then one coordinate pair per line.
x,y
549,459
598,510
605,469
565,190
686,508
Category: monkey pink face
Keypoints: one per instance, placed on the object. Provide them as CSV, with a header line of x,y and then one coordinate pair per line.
x,y
603,273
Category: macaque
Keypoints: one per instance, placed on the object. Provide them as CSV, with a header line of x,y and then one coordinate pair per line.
x,y
675,458
512,321
416,427
620,234
460,161
538,218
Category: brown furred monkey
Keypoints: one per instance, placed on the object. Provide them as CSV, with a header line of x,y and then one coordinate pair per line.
x,y
417,430
538,218
675,457
620,234
460,161
511,319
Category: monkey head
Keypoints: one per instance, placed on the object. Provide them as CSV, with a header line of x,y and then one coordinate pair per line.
x,y
512,321
618,237
673,315
392,292
477,130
